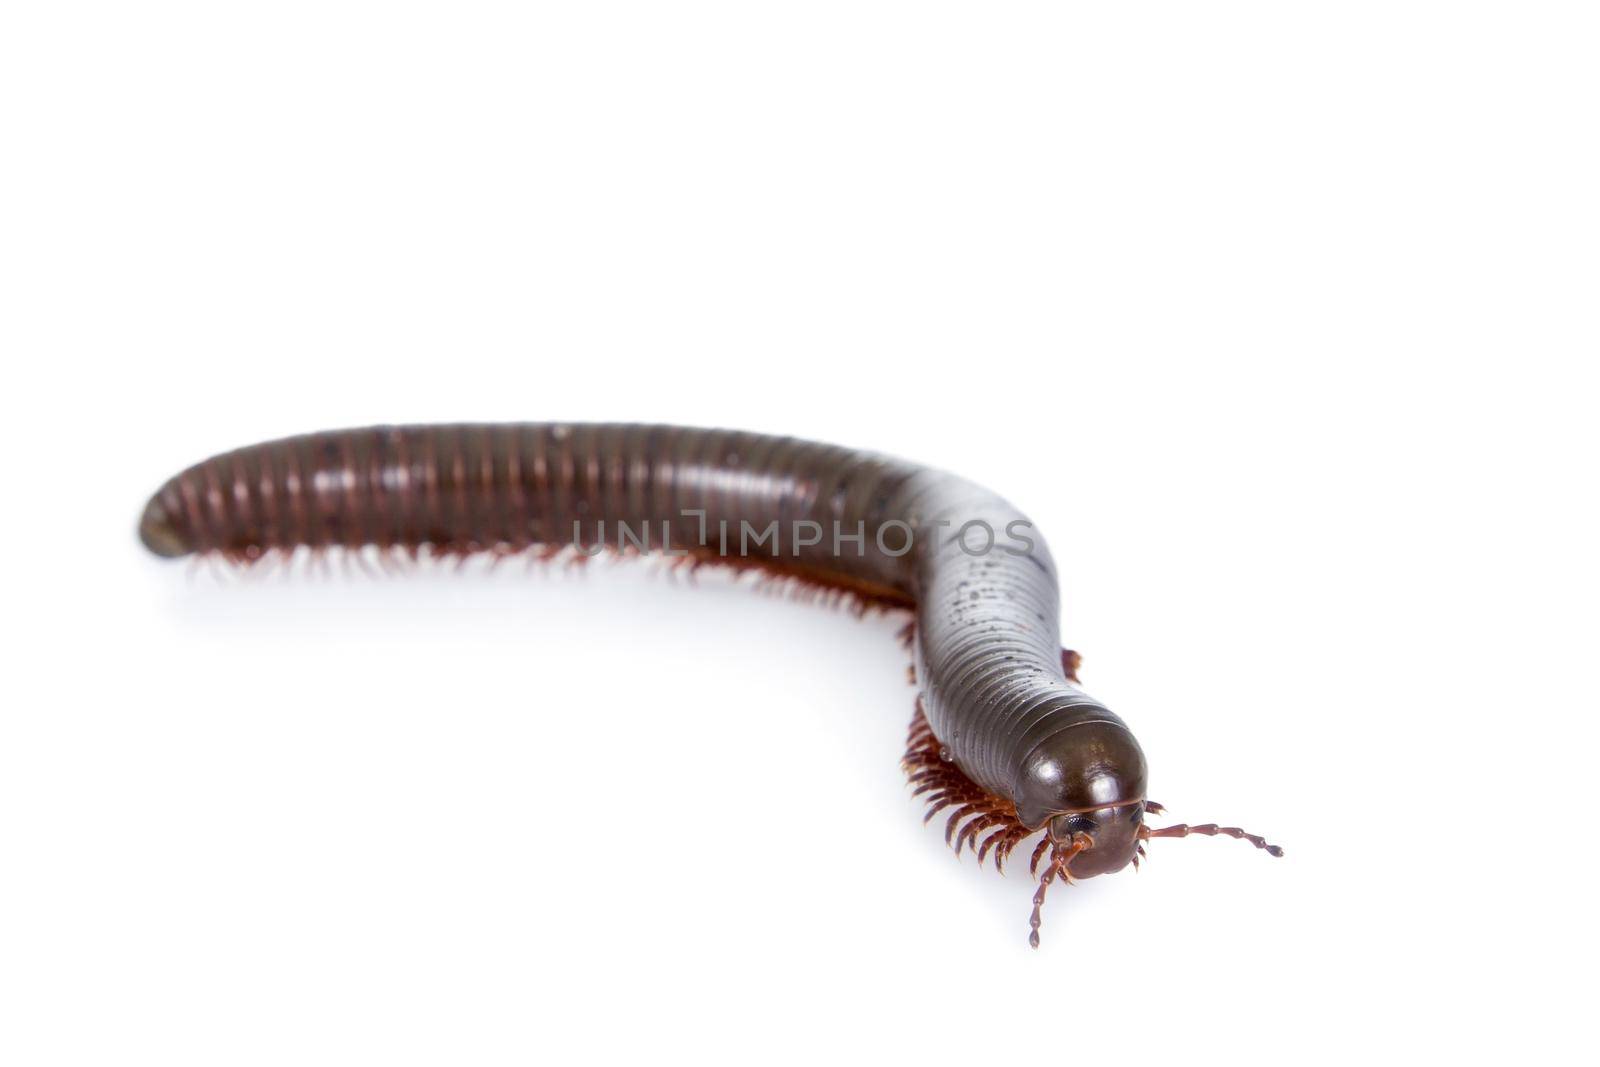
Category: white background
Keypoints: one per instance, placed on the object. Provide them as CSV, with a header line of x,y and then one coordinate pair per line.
x,y
1279,321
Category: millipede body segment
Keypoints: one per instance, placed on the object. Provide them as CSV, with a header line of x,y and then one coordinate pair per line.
x,y
1004,738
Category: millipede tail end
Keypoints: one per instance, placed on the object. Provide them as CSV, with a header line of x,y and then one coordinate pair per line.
x,y
160,534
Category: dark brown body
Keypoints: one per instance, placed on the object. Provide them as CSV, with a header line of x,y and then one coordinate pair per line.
x,y
995,695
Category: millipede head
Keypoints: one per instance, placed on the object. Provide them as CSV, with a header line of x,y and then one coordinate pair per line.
x,y
1110,837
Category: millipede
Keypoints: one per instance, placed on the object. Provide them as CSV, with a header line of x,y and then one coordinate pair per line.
x,y
1004,741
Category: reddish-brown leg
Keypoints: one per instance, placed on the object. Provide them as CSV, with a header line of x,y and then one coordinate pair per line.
x,y
1038,854
1070,662
977,814
970,832
908,634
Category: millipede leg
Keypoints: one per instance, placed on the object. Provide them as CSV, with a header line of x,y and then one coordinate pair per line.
x,y
994,838
908,634
1002,854
1038,854
969,833
942,786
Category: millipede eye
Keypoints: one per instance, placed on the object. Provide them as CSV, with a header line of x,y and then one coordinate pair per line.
x,y
1080,824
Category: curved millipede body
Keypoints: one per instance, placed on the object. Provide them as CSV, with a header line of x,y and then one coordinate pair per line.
x,y
1004,740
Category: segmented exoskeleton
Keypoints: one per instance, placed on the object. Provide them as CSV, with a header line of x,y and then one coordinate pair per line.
x,y
1004,738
